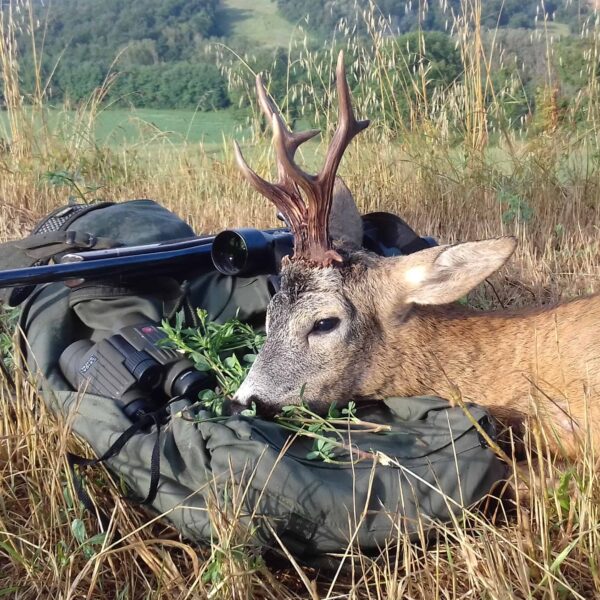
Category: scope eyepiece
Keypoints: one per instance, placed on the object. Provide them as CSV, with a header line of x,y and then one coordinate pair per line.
x,y
250,252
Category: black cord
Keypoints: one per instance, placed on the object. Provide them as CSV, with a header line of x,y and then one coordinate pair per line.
x,y
79,462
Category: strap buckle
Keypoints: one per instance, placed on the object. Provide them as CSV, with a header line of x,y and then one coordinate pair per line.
x,y
80,239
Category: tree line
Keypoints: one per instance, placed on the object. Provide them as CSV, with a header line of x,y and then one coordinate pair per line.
x,y
158,49
405,16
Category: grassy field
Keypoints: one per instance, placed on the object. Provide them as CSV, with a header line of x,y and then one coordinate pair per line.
x,y
546,550
114,127
442,175
257,22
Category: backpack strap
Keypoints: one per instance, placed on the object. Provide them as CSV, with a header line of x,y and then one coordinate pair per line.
x,y
74,461
48,241
41,247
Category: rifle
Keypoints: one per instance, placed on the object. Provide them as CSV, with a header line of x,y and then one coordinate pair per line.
x,y
235,252
240,252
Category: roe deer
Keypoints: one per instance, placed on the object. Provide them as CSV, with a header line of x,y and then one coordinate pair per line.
x,y
347,324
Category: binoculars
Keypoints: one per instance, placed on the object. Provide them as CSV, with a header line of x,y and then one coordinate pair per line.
x,y
133,368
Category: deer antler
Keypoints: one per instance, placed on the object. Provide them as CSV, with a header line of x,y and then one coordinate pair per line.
x,y
308,219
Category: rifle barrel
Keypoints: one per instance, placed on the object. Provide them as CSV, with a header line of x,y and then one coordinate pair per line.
x,y
122,251
159,261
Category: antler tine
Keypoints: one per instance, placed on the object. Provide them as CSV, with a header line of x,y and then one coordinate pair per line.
x,y
319,189
291,140
347,128
321,185
284,194
307,217
281,198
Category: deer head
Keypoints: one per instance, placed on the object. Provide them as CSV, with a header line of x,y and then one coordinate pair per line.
x,y
337,306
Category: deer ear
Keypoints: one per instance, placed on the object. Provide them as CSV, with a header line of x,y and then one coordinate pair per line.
x,y
446,273
345,222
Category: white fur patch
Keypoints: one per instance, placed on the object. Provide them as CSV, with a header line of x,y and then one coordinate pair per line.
x,y
416,275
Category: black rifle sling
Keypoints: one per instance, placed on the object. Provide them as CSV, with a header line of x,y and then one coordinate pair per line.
x,y
145,421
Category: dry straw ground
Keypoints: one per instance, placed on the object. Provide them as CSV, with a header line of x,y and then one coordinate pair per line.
x,y
449,175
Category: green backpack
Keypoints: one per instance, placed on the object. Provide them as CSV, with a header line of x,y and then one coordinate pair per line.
x,y
428,465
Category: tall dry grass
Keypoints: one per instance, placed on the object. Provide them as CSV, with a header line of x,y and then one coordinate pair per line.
x,y
453,169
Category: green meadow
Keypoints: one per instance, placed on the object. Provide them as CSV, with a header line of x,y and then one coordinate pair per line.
x,y
257,22
118,126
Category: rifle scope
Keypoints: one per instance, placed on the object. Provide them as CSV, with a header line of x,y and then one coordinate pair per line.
x,y
251,252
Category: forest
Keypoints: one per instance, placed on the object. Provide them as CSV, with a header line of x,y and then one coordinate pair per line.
x,y
406,16
160,53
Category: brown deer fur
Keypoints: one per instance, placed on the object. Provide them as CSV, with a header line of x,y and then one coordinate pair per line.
x,y
541,364
347,324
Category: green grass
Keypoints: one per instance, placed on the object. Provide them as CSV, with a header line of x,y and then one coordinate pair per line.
x,y
258,22
178,125
118,126
556,28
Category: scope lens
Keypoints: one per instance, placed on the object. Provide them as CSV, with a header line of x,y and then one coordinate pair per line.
x,y
229,252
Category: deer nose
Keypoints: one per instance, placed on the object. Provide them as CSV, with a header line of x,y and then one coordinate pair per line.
x,y
248,395
237,405
242,399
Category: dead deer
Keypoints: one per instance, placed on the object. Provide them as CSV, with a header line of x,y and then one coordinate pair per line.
x,y
347,324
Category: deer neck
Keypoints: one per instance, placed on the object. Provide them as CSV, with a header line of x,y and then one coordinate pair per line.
x,y
484,357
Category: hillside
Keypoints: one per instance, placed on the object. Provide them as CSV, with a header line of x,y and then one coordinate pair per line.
x,y
163,54
436,16
159,47
152,30
258,22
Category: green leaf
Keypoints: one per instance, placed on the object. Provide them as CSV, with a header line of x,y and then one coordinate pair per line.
x,y
333,412
313,455
232,362
68,498
98,539
249,412
78,530
350,410
205,395
8,549
201,364
563,555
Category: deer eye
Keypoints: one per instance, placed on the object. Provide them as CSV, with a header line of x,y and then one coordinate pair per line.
x,y
325,325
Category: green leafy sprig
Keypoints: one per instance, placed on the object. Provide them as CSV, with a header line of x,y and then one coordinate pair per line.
x,y
327,431
226,350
